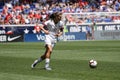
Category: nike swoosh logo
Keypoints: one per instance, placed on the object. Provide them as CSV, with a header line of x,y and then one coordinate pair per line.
x,y
13,38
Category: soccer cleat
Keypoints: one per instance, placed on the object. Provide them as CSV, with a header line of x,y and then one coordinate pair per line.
x,y
34,64
48,68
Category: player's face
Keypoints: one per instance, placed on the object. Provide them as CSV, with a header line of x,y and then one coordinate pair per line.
x,y
59,17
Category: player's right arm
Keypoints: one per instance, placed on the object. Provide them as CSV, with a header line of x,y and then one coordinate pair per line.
x,y
43,29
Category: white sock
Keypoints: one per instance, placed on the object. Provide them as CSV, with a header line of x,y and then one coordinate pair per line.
x,y
47,61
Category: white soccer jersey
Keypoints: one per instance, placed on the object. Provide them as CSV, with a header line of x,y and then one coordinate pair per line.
x,y
53,28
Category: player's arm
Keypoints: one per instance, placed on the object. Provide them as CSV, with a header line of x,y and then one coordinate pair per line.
x,y
60,32
43,28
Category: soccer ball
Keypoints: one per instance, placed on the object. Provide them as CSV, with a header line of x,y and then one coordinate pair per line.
x,y
93,63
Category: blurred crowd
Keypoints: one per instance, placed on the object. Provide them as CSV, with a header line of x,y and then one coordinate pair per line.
x,y
38,11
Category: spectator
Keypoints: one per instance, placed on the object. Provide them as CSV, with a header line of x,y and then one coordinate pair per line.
x,y
70,19
22,20
40,9
1,19
37,28
5,10
90,32
107,19
27,20
8,18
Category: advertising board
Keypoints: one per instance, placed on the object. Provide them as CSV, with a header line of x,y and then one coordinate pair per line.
x,y
67,36
11,38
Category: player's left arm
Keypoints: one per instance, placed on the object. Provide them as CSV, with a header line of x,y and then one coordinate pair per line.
x,y
60,32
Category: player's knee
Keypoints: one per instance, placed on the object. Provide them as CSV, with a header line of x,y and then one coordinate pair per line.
x,y
49,47
50,51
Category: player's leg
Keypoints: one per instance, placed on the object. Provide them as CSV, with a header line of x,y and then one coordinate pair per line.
x,y
87,36
92,35
38,60
47,40
43,57
47,57
49,49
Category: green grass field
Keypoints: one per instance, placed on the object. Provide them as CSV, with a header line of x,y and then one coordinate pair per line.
x,y
69,61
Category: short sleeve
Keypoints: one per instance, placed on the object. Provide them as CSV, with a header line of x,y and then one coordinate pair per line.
x,y
61,24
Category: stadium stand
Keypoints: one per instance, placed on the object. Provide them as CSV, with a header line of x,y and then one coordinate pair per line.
x,y
32,11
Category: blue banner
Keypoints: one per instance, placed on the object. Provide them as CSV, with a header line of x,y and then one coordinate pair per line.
x,y
34,37
67,36
17,29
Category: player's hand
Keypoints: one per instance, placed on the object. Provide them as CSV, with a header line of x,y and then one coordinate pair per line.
x,y
41,27
57,35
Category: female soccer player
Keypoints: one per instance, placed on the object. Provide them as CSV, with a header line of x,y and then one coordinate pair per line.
x,y
52,28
